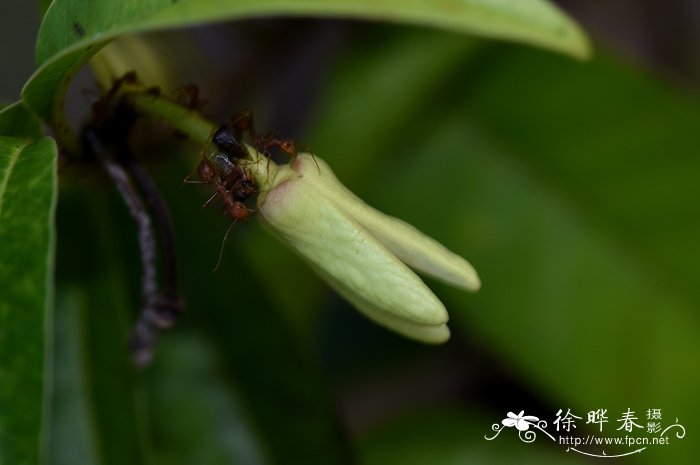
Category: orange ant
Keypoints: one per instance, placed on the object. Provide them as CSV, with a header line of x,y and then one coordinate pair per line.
x,y
222,166
188,96
234,189
269,141
229,137
101,110
237,186
285,145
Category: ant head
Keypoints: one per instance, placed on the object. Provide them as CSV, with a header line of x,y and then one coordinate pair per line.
x,y
130,77
238,210
188,96
288,146
206,172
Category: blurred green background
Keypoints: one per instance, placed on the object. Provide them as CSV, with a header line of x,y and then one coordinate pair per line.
x,y
573,187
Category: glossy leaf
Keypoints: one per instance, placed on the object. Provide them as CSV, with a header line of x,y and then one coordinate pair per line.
x,y
99,416
197,415
73,30
17,120
375,66
44,5
72,437
27,200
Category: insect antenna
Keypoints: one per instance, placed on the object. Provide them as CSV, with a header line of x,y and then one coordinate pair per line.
x,y
187,179
318,168
211,199
223,243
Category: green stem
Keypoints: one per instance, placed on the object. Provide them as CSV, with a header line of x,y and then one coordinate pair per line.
x,y
188,121
196,127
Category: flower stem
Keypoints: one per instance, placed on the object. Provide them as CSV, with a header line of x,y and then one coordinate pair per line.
x,y
186,120
196,127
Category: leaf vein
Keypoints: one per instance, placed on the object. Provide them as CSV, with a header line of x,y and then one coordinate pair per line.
x,y
8,173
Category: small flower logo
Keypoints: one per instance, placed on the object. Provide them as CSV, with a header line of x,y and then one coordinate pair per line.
x,y
520,421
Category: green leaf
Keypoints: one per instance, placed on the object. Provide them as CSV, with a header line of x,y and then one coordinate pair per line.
x,y
72,437
417,59
44,5
98,415
533,21
17,120
73,30
27,196
573,190
197,414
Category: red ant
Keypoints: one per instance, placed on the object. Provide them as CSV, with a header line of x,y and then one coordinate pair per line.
x,y
189,96
229,137
232,182
237,186
234,190
101,110
285,145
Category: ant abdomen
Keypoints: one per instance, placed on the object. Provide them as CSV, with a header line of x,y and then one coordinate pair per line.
x,y
230,141
237,209
226,166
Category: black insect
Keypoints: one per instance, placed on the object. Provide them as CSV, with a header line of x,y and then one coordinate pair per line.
x,y
229,136
78,29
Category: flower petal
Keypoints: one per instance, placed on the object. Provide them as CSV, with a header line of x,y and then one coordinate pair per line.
x,y
411,246
429,334
373,279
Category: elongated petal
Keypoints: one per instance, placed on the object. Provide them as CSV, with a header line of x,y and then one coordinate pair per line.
x,y
419,251
430,334
372,278
411,246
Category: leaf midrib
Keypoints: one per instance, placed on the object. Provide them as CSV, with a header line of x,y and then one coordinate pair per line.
x,y
8,173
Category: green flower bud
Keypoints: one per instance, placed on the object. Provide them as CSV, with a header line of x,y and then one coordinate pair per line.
x,y
362,253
